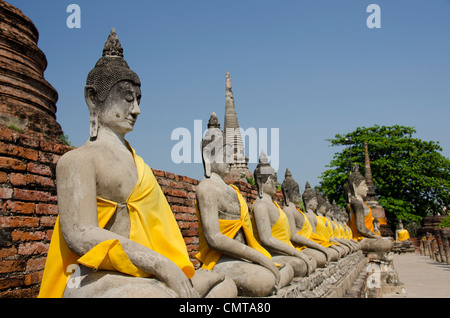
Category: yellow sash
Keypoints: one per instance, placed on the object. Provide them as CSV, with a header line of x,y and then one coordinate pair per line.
x,y
229,228
306,229
368,222
321,236
328,226
341,230
152,224
281,229
403,235
336,230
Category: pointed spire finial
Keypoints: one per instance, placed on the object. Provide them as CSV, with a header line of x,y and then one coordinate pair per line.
x,y
213,121
112,46
263,159
287,174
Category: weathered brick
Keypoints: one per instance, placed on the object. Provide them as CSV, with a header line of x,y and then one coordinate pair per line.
x,y
8,252
27,141
10,282
175,200
35,248
17,151
18,221
39,169
169,175
10,163
6,134
35,264
158,173
179,193
33,278
46,209
12,266
48,221
22,236
18,207
6,193
3,177
189,232
33,195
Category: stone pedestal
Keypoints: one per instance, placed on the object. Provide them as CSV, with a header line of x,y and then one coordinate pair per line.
x,y
334,281
382,278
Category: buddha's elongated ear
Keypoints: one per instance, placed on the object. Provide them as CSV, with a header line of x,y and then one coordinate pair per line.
x,y
259,185
90,96
206,162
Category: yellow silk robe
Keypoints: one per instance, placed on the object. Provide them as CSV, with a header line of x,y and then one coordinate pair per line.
x,y
307,232
152,224
229,228
403,235
281,229
368,222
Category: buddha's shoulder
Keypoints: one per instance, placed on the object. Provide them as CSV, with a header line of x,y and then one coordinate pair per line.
x,y
84,155
260,204
211,186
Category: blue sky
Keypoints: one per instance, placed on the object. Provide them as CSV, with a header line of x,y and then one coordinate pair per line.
x,y
313,69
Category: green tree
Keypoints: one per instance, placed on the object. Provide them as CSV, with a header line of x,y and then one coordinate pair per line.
x,y
411,176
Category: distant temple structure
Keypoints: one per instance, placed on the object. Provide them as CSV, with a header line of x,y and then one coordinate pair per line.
x,y
372,198
27,100
239,169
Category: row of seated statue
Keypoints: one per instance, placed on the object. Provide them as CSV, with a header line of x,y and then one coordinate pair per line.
x,y
116,235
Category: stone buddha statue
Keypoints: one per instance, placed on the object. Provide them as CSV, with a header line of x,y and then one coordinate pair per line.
x,y
341,219
319,232
227,244
401,234
323,208
335,215
116,235
301,228
272,225
333,228
361,219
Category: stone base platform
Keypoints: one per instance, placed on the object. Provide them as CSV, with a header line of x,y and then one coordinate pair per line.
x,y
333,281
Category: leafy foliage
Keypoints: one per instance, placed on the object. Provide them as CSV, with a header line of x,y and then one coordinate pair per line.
x,y
445,222
411,176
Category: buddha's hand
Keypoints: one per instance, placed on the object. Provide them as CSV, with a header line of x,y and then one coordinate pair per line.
x,y
327,257
309,263
182,286
275,269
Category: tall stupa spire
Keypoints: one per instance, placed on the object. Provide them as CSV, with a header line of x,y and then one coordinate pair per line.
x,y
372,198
368,174
233,135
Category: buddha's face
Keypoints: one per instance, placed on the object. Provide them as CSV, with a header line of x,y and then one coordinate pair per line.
x,y
321,210
362,189
221,164
270,186
312,204
120,110
295,194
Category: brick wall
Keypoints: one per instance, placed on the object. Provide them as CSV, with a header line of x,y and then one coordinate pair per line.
x,y
28,208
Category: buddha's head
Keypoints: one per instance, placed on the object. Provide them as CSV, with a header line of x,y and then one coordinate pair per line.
x,y
356,183
329,210
321,206
112,91
309,198
216,153
265,176
290,188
